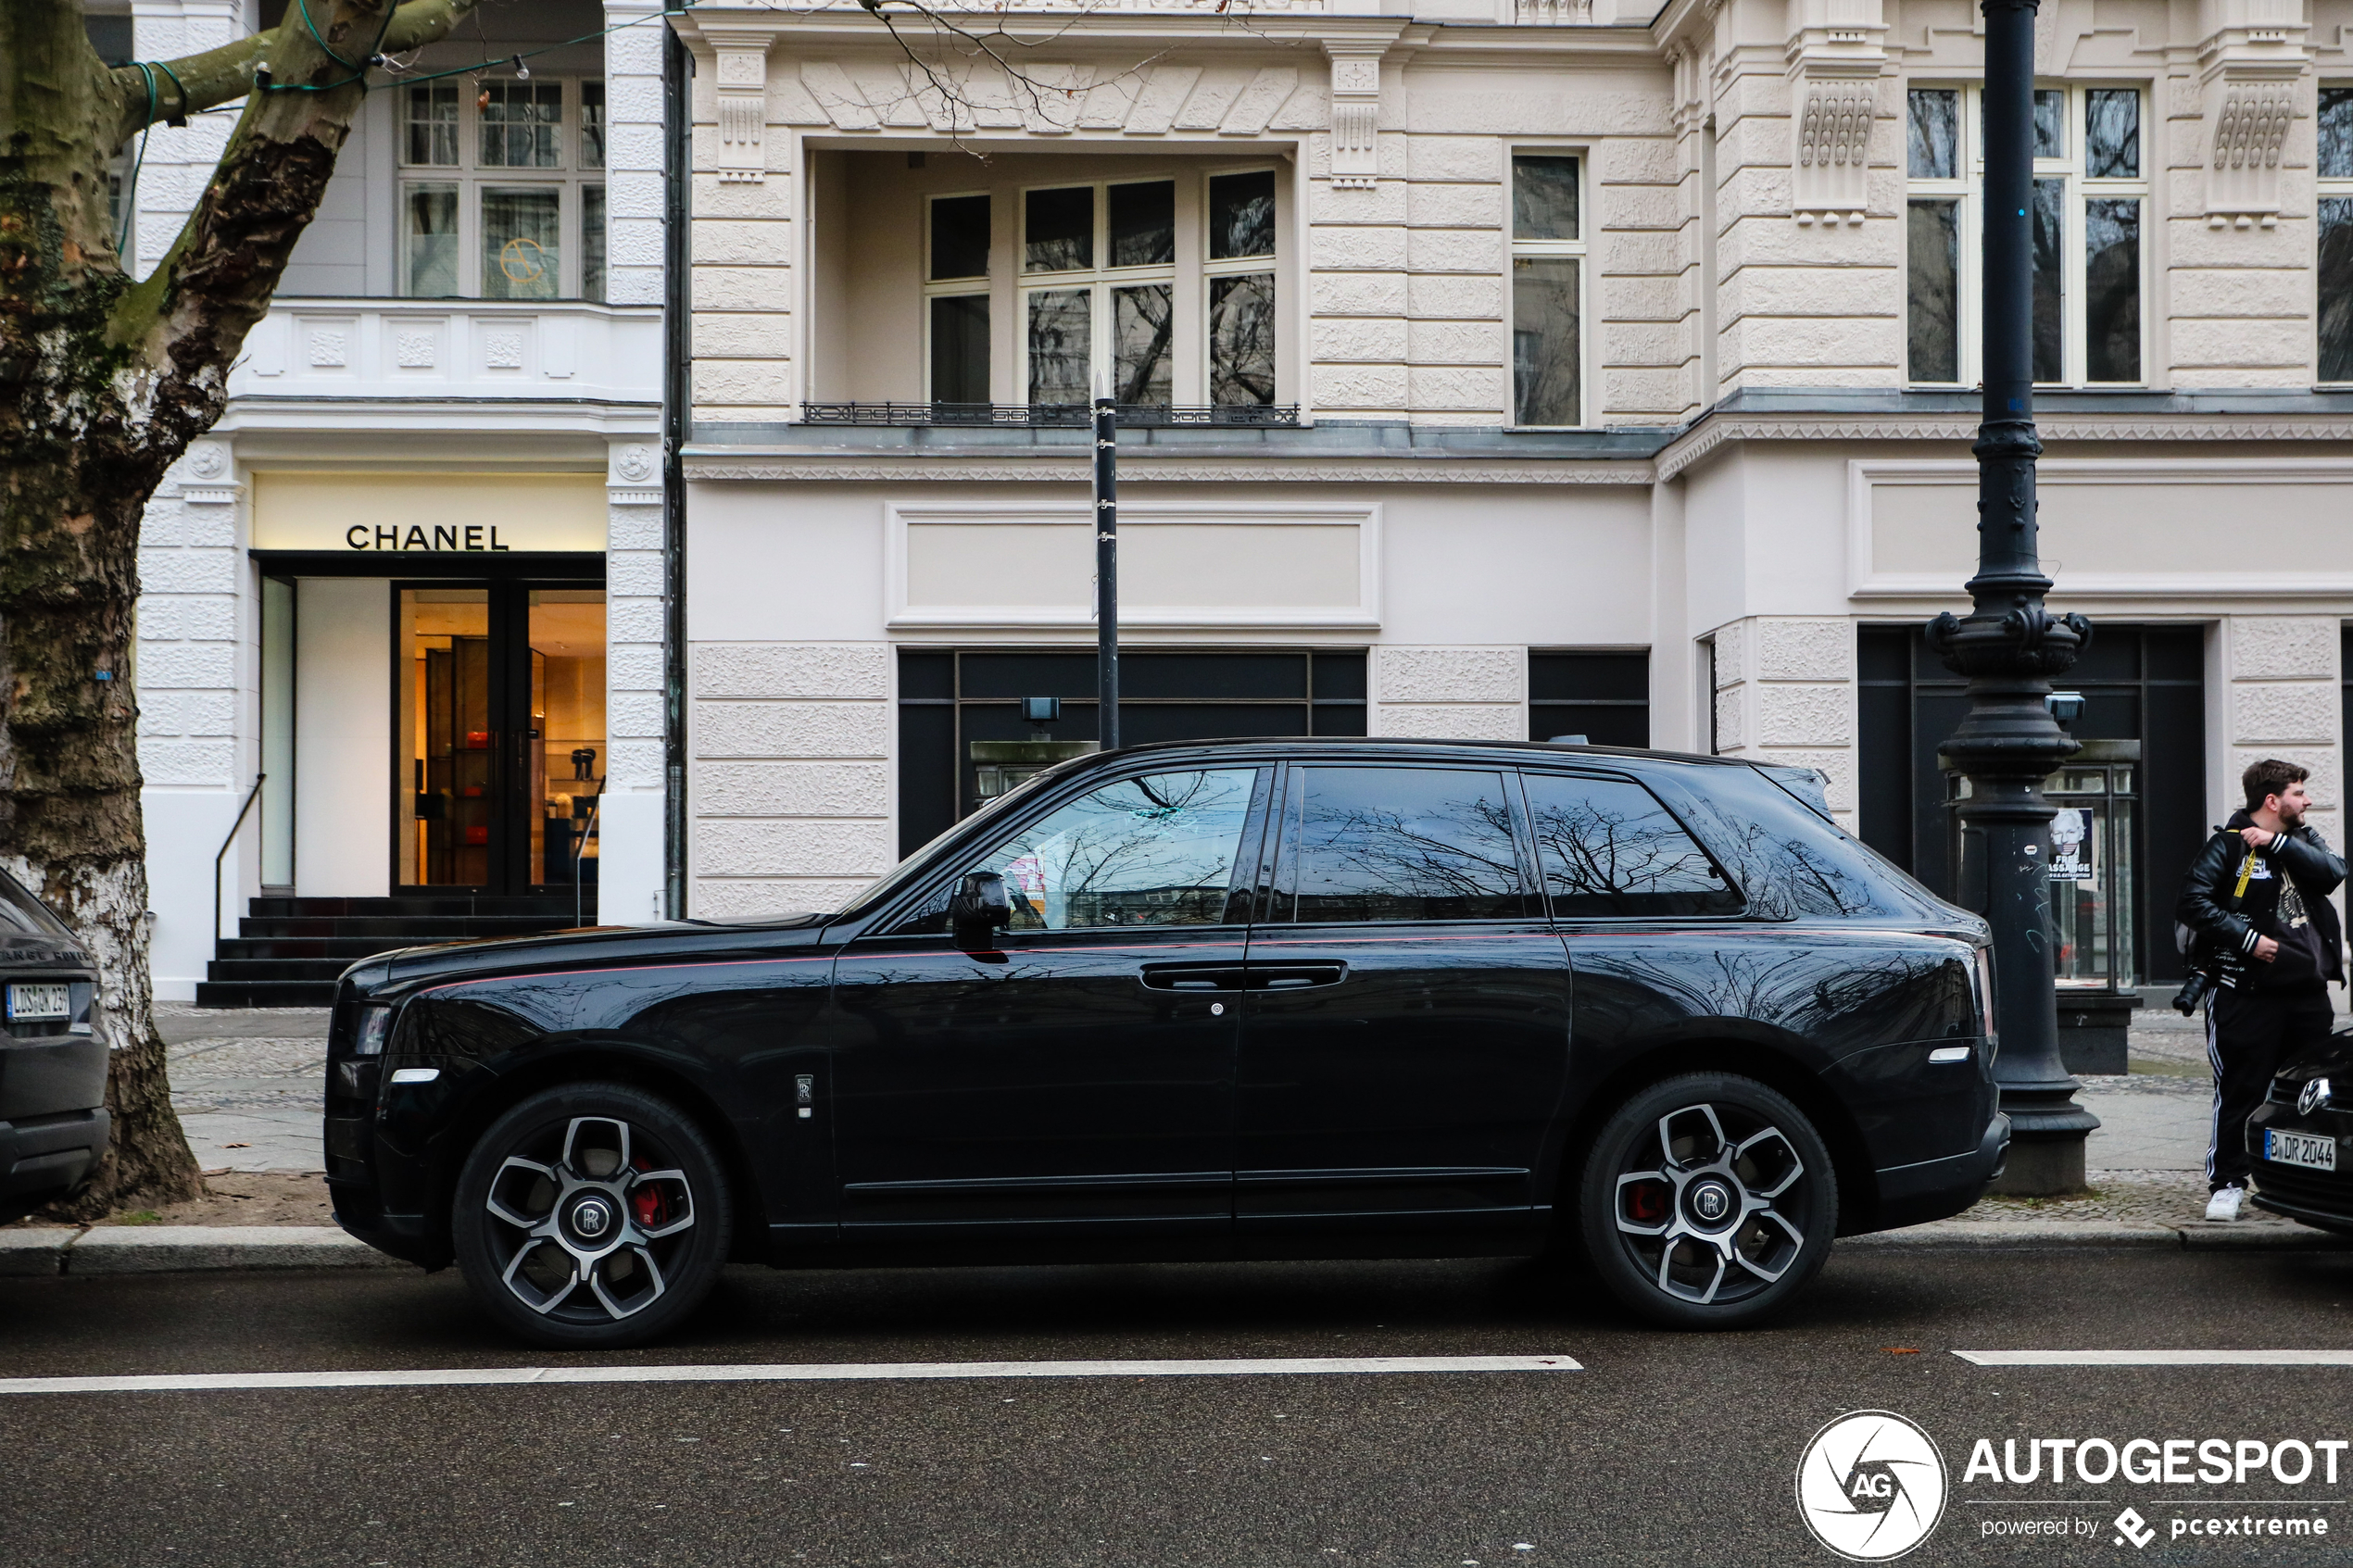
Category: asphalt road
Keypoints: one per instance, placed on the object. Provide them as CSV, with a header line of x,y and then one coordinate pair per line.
x,y
1671,1450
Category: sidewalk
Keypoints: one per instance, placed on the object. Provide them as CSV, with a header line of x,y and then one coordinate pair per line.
x,y
248,1084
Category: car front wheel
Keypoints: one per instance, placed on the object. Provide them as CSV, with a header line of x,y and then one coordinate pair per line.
x,y
591,1216
1707,1201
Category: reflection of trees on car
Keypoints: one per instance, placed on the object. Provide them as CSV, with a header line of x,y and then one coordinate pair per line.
x,y
1590,849
1453,860
1148,851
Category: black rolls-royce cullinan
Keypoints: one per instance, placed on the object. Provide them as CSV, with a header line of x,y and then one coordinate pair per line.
x,y
1256,999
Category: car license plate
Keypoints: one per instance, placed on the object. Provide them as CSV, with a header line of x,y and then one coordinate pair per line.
x,y
30,1002
2299,1149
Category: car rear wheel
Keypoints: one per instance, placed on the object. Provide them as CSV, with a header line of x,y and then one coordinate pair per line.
x,y
1707,1201
591,1216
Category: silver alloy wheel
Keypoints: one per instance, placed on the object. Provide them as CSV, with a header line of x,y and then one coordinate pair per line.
x,y
582,1236
1704,1217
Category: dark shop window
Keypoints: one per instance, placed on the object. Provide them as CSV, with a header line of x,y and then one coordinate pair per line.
x,y
951,698
1604,696
2139,683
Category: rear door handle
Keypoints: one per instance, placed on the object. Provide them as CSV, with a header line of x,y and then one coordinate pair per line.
x,y
1193,976
1295,976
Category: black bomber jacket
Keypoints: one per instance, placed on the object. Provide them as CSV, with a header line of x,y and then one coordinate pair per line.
x,y
2302,854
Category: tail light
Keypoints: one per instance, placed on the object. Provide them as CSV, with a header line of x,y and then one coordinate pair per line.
x,y
1984,989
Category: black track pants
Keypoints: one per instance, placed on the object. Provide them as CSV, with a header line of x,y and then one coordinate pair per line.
x,y
2249,1036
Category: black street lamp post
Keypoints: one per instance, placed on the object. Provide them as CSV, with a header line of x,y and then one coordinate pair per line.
x,y
1107,567
2009,645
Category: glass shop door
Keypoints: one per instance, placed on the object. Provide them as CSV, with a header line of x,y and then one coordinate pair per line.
x,y
501,737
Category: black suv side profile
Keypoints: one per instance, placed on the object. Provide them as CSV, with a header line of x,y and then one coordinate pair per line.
x,y
1247,999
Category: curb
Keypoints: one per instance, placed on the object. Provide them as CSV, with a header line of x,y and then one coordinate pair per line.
x,y
1971,1235
147,1250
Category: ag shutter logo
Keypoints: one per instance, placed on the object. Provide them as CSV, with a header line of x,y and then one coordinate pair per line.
x,y
1872,1486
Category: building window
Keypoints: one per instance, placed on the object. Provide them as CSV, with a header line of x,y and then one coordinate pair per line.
x,y
1548,268
1602,699
2091,189
951,699
2336,234
956,297
1098,254
503,193
1242,288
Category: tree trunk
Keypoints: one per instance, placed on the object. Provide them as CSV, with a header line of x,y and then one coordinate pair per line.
x,y
102,384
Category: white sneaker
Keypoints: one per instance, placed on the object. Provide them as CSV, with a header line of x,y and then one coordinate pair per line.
x,y
2223,1206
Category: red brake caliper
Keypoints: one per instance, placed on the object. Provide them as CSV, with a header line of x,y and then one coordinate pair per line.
x,y
651,1204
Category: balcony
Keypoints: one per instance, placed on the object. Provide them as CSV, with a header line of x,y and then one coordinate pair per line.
x,y
445,352
1050,416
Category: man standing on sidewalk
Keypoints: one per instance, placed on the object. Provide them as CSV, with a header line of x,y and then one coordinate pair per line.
x,y
2287,932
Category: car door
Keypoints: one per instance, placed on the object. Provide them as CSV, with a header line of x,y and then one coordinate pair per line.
x,y
1406,1027
1648,916
1079,1080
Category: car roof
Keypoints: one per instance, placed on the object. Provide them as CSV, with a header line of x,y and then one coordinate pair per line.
x,y
1406,745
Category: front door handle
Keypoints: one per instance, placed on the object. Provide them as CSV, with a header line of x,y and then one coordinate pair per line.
x,y
1193,976
1295,976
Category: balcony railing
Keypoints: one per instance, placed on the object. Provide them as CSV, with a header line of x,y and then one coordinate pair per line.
x,y
1052,416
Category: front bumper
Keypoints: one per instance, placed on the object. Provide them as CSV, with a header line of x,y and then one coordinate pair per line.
x,y
1937,1189
2317,1198
49,1156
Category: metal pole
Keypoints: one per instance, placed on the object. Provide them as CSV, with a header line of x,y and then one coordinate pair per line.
x,y
1107,567
2009,645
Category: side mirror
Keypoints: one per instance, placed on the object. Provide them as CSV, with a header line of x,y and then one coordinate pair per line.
x,y
979,909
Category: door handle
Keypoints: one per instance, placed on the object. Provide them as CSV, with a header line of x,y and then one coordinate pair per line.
x,y
1295,976
1193,976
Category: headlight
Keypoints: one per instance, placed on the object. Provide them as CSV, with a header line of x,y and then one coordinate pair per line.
x,y
375,1024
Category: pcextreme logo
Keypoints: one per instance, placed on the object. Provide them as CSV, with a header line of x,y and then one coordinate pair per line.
x,y
1870,1485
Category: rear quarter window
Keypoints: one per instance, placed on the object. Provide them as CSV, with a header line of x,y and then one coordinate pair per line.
x,y
1792,864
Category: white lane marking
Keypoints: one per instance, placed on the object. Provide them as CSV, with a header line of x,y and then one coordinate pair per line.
x,y
2157,1358
451,1377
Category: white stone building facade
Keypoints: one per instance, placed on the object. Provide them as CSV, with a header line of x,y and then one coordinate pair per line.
x,y
1572,336
469,335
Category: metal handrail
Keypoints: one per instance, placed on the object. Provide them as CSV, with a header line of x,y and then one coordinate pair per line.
x,y
580,846
251,796
1053,415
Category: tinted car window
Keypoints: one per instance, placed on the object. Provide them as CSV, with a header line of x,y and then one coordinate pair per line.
x,y
1606,846
1157,850
1788,862
21,911
1404,844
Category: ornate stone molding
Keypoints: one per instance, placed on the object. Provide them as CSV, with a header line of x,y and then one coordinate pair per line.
x,y
1830,177
1355,115
1200,471
1714,434
2250,120
742,91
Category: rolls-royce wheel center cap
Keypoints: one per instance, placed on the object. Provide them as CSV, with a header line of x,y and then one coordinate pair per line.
x,y
592,1217
1711,1201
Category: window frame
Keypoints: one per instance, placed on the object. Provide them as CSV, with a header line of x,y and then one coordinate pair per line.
x,y
1213,268
1968,187
1100,279
960,288
1581,250
569,176
2325,187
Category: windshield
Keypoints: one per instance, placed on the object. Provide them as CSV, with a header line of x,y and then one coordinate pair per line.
x,y
892,879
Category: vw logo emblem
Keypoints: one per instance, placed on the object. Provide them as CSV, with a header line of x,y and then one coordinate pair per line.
x,y
2315,1095
591,1217
1710,1201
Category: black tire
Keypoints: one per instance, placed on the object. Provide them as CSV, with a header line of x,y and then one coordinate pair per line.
x,y
1740,1218
561,1247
